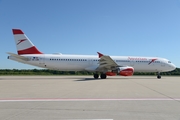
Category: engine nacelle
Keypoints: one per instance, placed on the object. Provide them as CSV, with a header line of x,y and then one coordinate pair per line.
x,y
126,71
123,71
110,73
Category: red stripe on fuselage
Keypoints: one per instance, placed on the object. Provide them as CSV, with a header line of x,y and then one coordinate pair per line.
x,y
32,50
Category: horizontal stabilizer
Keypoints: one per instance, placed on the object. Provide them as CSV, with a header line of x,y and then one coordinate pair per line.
x,y
18,56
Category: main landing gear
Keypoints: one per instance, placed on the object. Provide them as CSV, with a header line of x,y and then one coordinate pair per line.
x,y
96,76
103,76
158,75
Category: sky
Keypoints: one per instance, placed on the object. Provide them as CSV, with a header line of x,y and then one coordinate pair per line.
x,y
112,27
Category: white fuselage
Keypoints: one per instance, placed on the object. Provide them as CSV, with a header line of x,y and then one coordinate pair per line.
x,y
91,62
98,64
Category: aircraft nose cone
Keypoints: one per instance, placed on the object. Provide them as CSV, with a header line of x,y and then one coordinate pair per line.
x,y
173,66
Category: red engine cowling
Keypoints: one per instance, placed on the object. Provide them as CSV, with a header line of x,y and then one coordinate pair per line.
x,y
123,71
126,71
110,74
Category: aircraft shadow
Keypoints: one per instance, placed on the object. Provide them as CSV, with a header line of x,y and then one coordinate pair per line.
x,y
87,79
92,79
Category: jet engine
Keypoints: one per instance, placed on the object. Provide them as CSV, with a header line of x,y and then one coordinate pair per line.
x,y
110,73
126,71
123,71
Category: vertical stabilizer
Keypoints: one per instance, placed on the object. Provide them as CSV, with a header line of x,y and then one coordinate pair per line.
x,y
23,44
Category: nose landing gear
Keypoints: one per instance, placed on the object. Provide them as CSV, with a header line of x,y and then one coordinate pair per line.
x,y
158,75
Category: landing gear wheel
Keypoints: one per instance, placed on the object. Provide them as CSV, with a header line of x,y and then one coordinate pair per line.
x,y
96,76
158,75
103,76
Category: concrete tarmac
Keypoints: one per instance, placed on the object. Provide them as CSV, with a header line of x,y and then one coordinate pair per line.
x,y
82,98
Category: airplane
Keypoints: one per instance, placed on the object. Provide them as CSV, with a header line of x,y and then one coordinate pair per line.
x,y
101,65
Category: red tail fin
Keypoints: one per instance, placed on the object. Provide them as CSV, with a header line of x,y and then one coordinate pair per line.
x,y
23,44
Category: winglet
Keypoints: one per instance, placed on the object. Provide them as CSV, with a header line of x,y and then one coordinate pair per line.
x,y
100,54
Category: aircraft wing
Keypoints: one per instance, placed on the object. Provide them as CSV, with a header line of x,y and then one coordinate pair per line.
x,y
106,62
18,56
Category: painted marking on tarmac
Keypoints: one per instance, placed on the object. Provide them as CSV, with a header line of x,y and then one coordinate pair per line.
x,y
73,100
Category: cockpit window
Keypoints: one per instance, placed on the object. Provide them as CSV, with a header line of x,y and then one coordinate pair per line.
x,y
169,61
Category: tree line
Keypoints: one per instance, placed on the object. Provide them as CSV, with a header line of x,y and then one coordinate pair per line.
x,y
55,72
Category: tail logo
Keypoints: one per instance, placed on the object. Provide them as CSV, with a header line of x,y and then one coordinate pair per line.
x,y
152,61
20,41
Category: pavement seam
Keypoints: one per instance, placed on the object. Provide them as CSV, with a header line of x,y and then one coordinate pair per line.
x,y
156,91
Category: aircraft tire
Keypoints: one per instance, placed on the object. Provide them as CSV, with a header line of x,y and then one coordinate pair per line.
x,y
158,75
103,76
96,76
